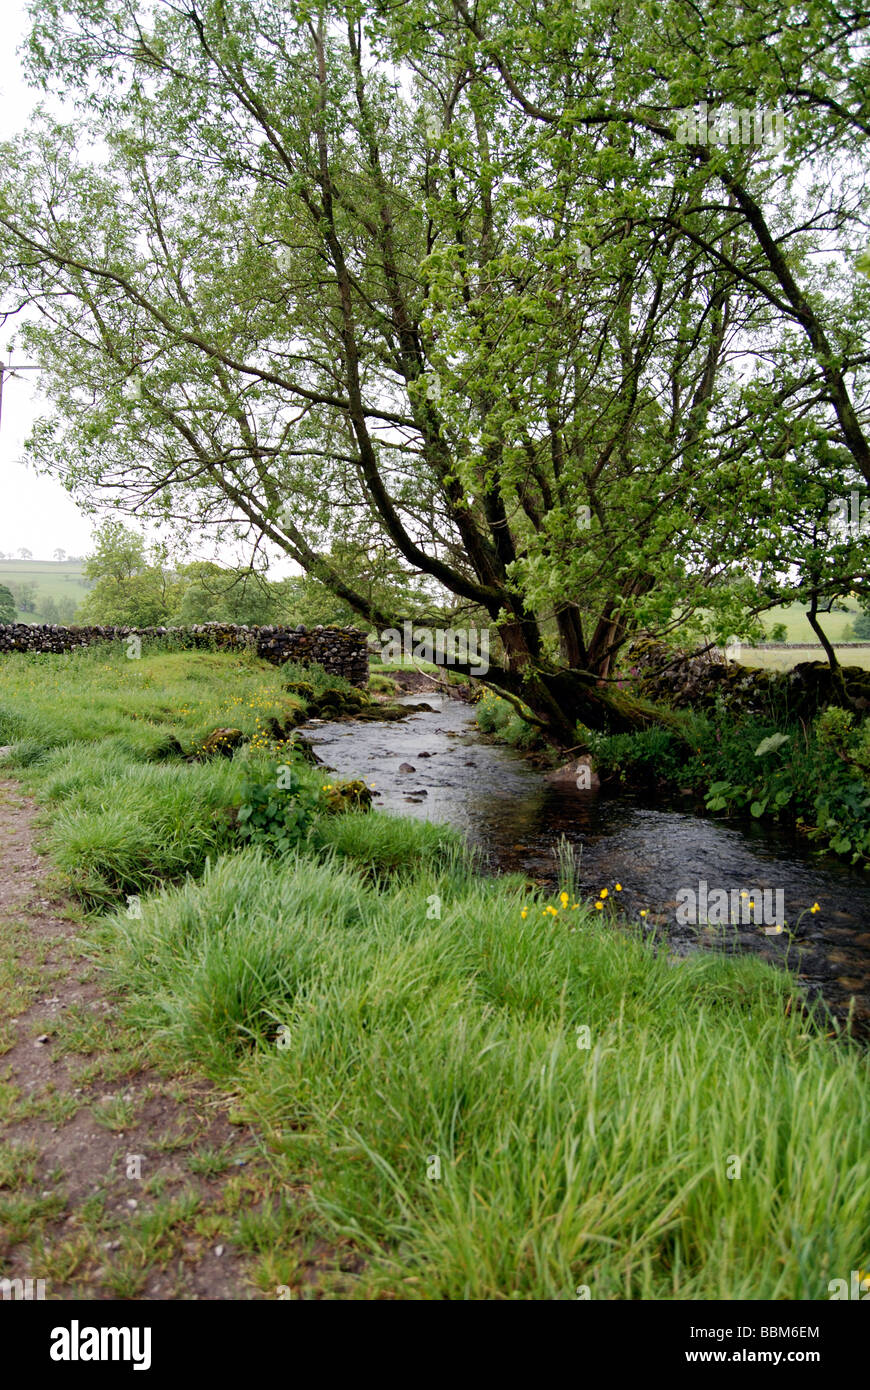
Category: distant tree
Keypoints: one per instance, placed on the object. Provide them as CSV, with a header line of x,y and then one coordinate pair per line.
x,y
48,612
59,555
7,605
208,594
24,596
129,588
861,626
373,571
119,553
25,554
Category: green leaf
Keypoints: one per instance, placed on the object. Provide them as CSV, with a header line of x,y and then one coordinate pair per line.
x,y
769,745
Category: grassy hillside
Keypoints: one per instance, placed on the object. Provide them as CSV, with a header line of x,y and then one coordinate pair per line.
x,y
51,579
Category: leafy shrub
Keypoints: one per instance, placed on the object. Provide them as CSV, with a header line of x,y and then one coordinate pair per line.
x,y
277,815
836,730
654,754
816,777
499,718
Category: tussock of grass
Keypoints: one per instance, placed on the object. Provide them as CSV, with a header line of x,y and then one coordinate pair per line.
x,y
385,843
151,823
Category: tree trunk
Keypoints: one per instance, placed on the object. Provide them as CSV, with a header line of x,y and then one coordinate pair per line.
x,y
559,700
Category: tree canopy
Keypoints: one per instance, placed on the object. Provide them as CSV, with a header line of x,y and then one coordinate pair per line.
x,y
468,283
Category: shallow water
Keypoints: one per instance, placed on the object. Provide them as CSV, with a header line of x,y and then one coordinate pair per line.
x,y
652,848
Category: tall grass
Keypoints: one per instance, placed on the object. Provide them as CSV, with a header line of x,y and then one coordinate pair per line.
x,y
149,824
415,1039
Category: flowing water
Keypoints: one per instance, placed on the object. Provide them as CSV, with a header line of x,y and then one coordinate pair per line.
x,y
653,848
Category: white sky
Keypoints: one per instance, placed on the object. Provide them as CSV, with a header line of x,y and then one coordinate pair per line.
x,y
37,512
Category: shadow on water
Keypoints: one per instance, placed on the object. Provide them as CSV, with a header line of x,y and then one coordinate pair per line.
x,y
651,847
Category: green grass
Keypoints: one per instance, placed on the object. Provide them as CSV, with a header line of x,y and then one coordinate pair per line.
x,y
414,1039
96,694
384,843
784,660
131,832
374,1005
794,616
408,663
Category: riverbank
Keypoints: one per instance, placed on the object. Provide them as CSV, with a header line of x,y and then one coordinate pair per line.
x,y
472,1089
657,844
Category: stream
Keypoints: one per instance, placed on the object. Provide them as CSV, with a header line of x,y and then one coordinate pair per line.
x,y
652,847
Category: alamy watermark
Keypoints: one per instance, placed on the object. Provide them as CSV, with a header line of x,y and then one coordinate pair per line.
x,y
731,907
858,1280
77,1343
24,1290
850,515
441,646
730,125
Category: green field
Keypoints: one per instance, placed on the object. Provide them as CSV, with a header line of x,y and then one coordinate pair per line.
x,y
783,660
51,579
797,626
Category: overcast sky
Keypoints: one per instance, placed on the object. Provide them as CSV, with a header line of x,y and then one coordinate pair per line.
x,y
37,512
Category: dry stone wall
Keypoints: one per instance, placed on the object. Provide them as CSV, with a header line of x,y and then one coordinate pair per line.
x,y
683,679
343,651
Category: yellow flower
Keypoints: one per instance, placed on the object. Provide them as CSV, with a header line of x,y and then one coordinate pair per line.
x,y
600,906
525,912
603,893
643,912
563,899
815,908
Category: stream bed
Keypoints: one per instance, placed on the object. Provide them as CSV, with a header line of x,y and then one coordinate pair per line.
x,y
653,848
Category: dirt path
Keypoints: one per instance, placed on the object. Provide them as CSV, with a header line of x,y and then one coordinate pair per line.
x,y
81,1114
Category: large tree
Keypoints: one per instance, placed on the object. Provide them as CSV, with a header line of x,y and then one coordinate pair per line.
x,y
451,277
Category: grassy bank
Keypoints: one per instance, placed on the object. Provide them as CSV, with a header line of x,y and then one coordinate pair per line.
x,y
492,1094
